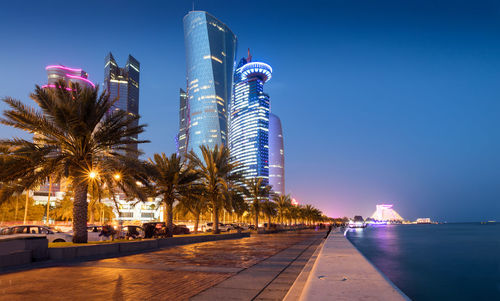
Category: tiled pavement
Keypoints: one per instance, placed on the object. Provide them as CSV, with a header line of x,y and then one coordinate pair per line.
x,y
176,273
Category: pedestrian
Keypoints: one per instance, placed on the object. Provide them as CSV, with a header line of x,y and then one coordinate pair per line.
x,y
106,233
149,230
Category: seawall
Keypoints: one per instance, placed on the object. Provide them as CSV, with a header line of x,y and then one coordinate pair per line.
x,y
341,272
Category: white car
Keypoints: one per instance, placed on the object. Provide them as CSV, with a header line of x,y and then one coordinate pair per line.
x,y
51,234
209,226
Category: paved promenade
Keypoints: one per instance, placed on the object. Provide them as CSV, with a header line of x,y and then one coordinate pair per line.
x,y
341,272
271,262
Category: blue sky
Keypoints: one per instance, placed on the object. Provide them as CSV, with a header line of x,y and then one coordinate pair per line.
x,y
381,101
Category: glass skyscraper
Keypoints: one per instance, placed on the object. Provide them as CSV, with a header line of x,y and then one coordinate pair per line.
x,y
249,119
183,123
122,84
276,155
210,49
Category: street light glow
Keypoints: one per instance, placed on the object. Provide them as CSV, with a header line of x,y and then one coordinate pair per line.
x,y
92,174
117,176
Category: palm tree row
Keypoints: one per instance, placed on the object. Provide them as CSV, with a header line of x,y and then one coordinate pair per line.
x,y
80,137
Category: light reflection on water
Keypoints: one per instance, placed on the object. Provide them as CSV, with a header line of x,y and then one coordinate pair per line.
x,y
436,262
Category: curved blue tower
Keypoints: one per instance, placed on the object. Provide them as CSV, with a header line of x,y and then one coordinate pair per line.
x,y
210,49
249,119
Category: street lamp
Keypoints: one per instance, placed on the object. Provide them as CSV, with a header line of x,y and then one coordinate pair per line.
x,y
117,176
92,174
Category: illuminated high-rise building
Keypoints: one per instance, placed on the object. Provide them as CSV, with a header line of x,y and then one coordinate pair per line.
x,y
276,155
183,123
210,49
74,75
122,84
385,213
249,119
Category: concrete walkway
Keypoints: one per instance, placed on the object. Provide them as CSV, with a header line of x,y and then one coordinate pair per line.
x,y
175,273
341,272
267,280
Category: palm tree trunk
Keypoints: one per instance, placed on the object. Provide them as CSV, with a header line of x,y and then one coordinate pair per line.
x,y
196,222
170,217
80,208
256,220
215,227
91,215
269,222
26,208
17,203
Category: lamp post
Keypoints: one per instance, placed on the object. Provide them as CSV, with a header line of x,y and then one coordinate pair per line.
x,y
26,207
92,174
48,199
17,205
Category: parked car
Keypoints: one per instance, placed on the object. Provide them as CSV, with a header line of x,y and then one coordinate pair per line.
x,y
51,234
181,229
208,227
93,233
132,232
243,226
155,229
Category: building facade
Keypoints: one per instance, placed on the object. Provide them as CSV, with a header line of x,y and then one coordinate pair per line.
x,y
276,155
182,137
67,74
210,50
384,212
122,84
249,119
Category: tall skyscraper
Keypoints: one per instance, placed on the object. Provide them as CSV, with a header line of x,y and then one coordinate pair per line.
x,y
249,119
74,75
276,155
183,123
122,84
210,50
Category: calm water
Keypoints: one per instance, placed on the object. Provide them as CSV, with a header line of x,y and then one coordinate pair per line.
x,y
436,262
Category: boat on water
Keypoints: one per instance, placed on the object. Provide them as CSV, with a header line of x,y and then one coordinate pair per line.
x,y
488,223
357,222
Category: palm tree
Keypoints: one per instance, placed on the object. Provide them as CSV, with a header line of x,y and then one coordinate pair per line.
x,y
78,136
64,208
294,212
238,204
170,176
97,191
257,192
283,203
194,201
216,176
269,210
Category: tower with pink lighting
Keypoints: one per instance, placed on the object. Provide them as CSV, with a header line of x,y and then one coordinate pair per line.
x,y
67,74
